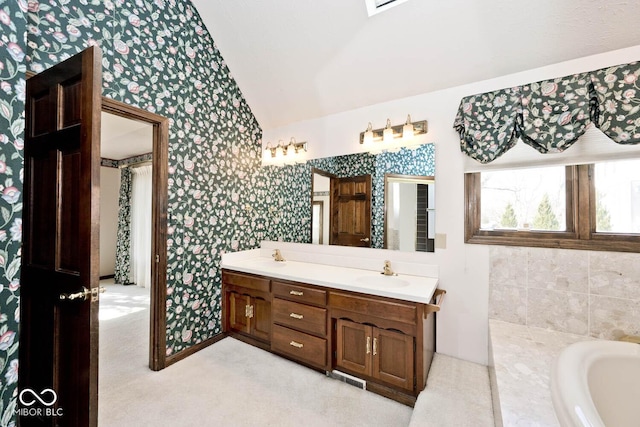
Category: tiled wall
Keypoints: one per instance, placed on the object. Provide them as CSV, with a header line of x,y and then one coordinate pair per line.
x,y
580,292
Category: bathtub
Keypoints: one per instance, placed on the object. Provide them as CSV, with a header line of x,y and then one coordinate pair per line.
x,y
597,384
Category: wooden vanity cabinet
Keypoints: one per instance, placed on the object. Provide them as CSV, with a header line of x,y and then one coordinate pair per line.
x,y
247,306
369,351
300,323
389,343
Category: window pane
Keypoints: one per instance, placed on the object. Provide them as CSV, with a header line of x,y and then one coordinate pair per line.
x,y
525,199
618,196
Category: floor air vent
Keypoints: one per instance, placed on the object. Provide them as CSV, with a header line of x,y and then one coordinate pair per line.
x,y
349,379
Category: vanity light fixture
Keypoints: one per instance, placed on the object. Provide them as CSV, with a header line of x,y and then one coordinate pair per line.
x,y
282,150
387,134
298,147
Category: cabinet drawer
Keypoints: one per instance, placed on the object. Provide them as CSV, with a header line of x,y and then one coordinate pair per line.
x,y
299,293
245,281
300,316
373,306
300,346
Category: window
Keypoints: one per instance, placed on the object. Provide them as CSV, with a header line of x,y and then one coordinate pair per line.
x,y
593,206
524,199
618,196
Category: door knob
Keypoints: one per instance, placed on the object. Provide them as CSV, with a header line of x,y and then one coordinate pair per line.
x,y
84,294
366,239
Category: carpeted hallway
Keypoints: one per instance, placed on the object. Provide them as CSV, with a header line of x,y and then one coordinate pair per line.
x,y
227,384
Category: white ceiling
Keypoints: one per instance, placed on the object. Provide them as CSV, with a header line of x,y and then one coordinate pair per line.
x,y
123,138
296,60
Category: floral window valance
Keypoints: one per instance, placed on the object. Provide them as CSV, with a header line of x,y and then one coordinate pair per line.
x,y
551,115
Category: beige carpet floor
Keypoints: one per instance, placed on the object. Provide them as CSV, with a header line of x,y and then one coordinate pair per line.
x,y
234,384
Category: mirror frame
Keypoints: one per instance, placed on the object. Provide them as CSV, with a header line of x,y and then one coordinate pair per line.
x,y
431,179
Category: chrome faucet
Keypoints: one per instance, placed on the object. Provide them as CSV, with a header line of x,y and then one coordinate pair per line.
x,y
277,255
387,271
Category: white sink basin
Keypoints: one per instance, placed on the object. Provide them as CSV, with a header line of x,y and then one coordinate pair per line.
x,y
269,263
382,281
597,384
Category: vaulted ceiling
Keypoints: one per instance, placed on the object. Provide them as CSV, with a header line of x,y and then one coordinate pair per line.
x,y
302,59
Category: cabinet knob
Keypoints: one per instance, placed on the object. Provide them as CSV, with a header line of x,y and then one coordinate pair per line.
x,y
296,316
296,344
375,346
296,293
368,345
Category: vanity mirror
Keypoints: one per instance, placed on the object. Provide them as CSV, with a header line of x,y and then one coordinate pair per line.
x,y
384,200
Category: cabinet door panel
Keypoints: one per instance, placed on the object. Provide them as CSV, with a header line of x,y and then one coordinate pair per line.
x,y
393,358
261,321
353,351
238,319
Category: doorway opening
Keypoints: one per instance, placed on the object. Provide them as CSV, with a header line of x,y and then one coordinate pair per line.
x,y
118,116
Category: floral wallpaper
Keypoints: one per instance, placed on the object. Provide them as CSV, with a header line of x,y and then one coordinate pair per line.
x,y
111,163
158,55
13,24
122,270
551,115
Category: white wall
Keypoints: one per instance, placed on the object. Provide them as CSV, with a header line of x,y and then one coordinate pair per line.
x,y
464,269
109,189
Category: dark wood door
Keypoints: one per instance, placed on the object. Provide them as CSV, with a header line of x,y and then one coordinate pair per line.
x,y
351,211
353,347
59,338
239,312
261,318
393,358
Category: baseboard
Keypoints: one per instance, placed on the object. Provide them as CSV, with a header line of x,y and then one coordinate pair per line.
x,y
250,341
404,398
108,276
193,349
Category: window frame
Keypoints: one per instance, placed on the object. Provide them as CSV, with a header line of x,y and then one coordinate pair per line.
x,y
580,216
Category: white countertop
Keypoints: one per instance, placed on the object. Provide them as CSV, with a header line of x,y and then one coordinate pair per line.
x,y
404,287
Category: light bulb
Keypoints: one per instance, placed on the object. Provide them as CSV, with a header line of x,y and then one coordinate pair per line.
x,y
407,130
368,135
269,149
387,134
